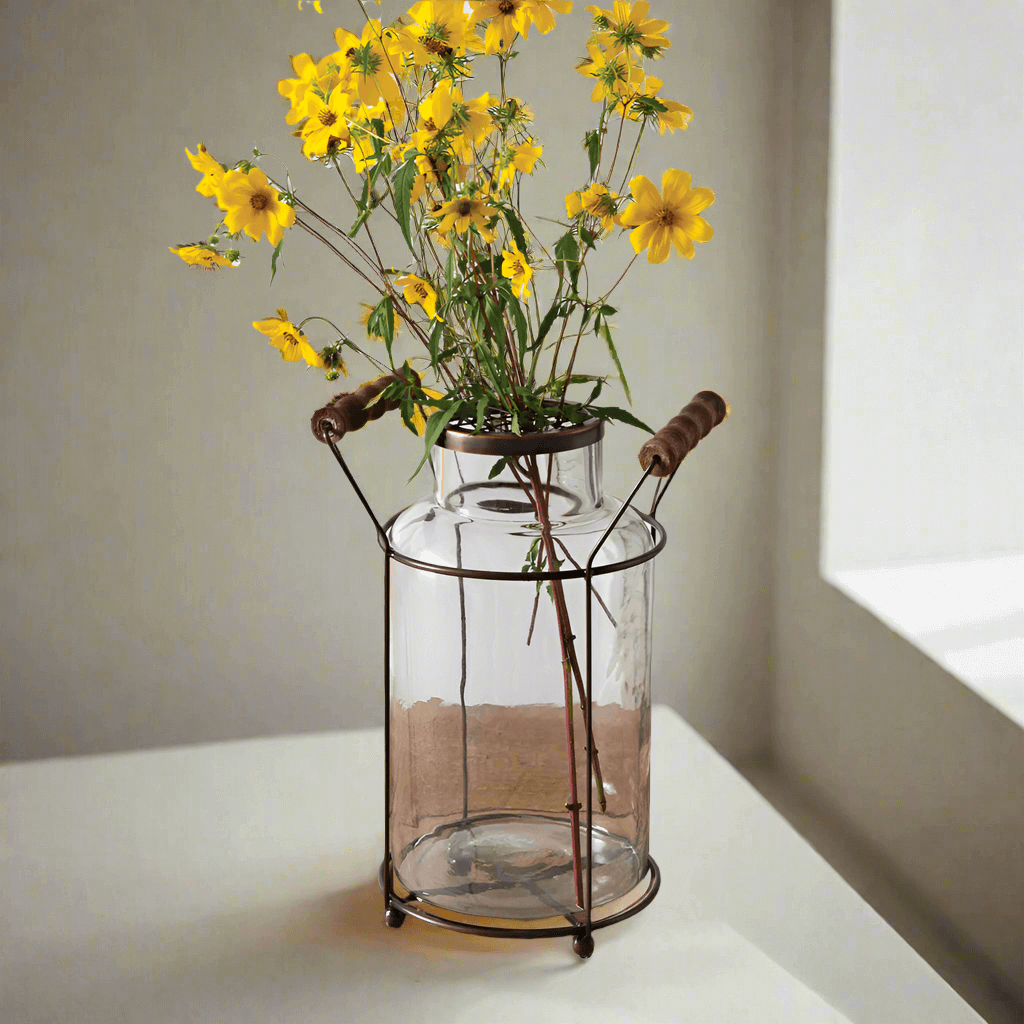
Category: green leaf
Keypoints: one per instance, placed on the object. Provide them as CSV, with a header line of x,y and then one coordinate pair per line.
x,y
273,260
405,178
611,413
604,332
498,467
592,144
481,408
435,342
449,273
437,422
360,221
567,257
516,227
518,316
545,324
381,322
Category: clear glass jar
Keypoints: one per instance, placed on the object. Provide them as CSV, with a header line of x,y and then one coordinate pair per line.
x,y
480,818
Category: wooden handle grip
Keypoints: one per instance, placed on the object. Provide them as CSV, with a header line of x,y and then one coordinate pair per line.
x,y
680,435
347,411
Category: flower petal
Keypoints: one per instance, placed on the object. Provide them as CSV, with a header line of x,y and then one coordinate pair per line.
x,y
644,193
682,243
697,199
674,186
640,237
632,216
696,228
660,246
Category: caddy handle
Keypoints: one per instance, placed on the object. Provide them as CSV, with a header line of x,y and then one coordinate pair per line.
x,y
348,411
680,435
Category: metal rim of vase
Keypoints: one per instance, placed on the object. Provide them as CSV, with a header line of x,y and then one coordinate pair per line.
x,y
415,907
546,442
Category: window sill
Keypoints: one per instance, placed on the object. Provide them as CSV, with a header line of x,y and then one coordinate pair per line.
x,y
968,616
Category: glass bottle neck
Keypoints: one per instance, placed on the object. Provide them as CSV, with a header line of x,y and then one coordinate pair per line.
x,y
462,483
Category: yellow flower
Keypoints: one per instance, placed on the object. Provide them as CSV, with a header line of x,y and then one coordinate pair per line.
x,y
464,210
313,80
201,256
597,201
446,118
211,171
515,267
509,18
421,412
418,291
626,26
372,67
327,124
669,218
440,31
647,104
541,16
252,204
364,319
288,339
616,78
522,158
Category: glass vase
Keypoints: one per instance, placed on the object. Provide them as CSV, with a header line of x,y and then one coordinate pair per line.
x,y
488,718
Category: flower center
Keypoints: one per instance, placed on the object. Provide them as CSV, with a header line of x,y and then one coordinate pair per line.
x,y
666,218
517,268
435,40
507,7
464,207
290,338
327,118
421,290
430,126
258,201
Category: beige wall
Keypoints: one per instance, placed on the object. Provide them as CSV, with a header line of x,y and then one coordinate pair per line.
x,y
918,766
179,560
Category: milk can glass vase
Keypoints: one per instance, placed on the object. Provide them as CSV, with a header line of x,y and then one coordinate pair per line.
x,y
488,717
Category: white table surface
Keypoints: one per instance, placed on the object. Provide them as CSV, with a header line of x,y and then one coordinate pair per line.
x,y
237,882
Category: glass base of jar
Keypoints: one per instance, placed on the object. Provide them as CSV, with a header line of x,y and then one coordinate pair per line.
x,y
514,866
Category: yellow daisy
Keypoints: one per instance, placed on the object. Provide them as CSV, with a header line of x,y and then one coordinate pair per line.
x,y
252,204
514,266
372,67
522,159
201,256
508,18
288,339
460,212
597,201
648,104
541,16
416,290
626,26
661,220
326,124
615,76
440,30
421,412
211,171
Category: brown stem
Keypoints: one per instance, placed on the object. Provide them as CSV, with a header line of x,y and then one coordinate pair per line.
x,y
573,805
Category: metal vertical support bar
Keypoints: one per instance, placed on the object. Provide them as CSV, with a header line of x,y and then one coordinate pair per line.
x,y
392,915
584,943
587,943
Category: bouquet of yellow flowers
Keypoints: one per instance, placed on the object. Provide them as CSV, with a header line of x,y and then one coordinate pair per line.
x,y
391,112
